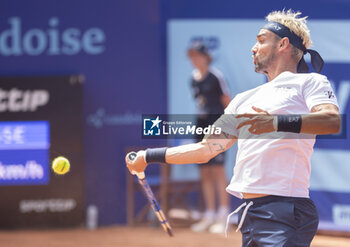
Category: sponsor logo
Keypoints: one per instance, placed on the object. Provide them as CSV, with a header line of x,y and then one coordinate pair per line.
x,y
49,205
292,119
285,92
341,214
101,118
329,94
15,41
16,100
275,26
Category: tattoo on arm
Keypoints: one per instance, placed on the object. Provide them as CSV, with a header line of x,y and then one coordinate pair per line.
x,y
223,135
211,151
219,147
218,143
227,136
215,147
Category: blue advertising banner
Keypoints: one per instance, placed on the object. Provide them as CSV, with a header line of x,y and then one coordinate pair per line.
x,y
24,153
24,135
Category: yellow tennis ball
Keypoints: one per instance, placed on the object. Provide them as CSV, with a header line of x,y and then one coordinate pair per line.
x,y
60,165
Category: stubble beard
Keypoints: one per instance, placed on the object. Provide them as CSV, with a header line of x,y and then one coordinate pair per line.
x,y
261,66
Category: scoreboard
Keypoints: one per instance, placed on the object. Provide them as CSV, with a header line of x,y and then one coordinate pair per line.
x,y
24,152
41,118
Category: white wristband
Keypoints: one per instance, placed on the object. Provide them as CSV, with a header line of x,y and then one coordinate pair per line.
x,y
275,122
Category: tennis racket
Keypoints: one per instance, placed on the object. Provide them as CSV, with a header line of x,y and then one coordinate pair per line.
x,y
151,198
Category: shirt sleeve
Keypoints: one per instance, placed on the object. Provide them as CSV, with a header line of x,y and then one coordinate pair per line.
x,y
221,81
318,90
227,121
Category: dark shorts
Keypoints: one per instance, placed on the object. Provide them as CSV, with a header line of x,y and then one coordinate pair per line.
x,y
279,221
204,121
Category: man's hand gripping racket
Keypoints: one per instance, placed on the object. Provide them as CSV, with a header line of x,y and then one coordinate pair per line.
x,y
130,157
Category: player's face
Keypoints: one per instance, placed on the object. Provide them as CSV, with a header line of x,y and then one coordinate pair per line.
x,y
264,51
198,59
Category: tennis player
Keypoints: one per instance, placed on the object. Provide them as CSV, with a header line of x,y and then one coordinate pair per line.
x,y
275,125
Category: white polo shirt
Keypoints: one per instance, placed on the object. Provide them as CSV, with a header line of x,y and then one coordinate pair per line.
x,y
276,163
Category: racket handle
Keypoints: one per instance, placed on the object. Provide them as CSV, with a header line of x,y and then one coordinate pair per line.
x,y
140,175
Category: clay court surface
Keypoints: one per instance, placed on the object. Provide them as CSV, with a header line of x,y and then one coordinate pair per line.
x,y
134,237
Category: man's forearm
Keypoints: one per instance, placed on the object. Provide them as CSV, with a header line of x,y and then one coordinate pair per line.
x,y
200,152
190,153
321,123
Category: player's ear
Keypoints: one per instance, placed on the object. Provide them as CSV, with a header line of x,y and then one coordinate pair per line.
x,y
283,43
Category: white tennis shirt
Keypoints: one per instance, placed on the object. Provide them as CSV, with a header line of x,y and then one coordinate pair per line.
x,y
276,163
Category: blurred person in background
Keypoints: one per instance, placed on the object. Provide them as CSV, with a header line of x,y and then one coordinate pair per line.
x,y
212,96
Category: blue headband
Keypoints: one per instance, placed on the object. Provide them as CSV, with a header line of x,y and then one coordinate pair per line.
x,y
283,31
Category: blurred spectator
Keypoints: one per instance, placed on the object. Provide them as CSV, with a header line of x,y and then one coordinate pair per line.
x,y
211,94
